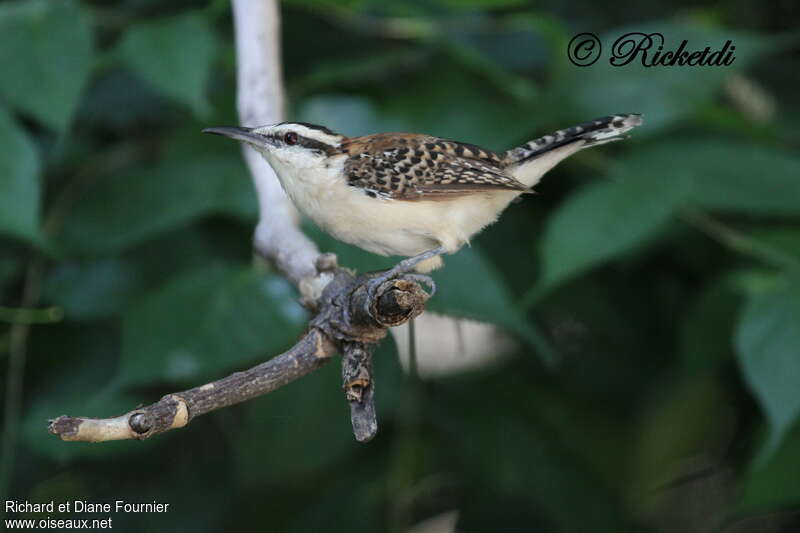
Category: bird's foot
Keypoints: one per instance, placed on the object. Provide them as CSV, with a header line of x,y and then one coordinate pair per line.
x,y
374,283
402,269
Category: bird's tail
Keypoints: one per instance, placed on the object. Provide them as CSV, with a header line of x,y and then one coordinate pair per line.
x,y
531,160
594,132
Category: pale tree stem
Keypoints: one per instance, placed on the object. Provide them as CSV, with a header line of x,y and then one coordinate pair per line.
x,y
261,101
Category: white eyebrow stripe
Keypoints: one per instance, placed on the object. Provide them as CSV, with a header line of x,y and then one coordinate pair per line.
x,y
309,133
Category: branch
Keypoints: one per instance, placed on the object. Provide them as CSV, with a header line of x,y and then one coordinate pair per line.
x,y
346,317
178,409
359,389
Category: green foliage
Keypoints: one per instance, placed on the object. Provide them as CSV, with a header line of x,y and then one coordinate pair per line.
x,y
205,322
92,289
718,185
605,219
45,57
651,285
175,56
19,182
707,327
430,105
175,193
767,342
274,425
773,484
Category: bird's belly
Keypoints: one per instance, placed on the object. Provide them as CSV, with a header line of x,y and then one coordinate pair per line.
x,y
406,228
389,231
394,227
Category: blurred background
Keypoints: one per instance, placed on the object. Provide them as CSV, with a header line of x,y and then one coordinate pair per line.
x,y
651,290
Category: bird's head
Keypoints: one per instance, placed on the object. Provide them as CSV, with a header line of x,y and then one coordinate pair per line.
x,y
294,144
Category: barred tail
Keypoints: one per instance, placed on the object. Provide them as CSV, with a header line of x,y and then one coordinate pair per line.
x,y
529,162
594,132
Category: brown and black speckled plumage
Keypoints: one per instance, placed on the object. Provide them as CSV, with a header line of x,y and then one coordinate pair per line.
x,y
405,166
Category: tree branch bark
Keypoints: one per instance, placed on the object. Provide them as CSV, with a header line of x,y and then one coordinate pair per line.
x,y
359,389
347,320
178,409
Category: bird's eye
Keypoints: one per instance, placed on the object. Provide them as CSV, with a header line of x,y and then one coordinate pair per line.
x,y
290,138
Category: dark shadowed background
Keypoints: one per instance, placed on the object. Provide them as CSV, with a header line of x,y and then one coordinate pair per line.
x,y
652,286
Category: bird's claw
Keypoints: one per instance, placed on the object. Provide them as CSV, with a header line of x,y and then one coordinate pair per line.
x,y
372,286
375,282
424,279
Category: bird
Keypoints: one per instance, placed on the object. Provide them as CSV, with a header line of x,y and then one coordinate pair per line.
x,y
409,194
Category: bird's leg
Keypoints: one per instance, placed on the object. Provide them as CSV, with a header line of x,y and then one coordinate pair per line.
x,y
403,267
408,264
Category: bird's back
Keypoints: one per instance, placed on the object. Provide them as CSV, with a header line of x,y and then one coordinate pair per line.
x,y
413,167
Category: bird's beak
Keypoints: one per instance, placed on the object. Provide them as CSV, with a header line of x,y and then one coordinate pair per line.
x,y
239,134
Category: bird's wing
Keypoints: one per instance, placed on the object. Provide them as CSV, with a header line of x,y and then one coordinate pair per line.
x,y
418,167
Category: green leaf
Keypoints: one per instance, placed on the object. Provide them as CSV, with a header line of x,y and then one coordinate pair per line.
x,y
45,57
786,239
697,404
707,328
129,207
19,182
459,294
99,287
9,266
469,287
91,289
537,469
663,94
485,4
174,55
727,176
428,104
605,219
775,484
282,432
768,347
206,322
362,69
